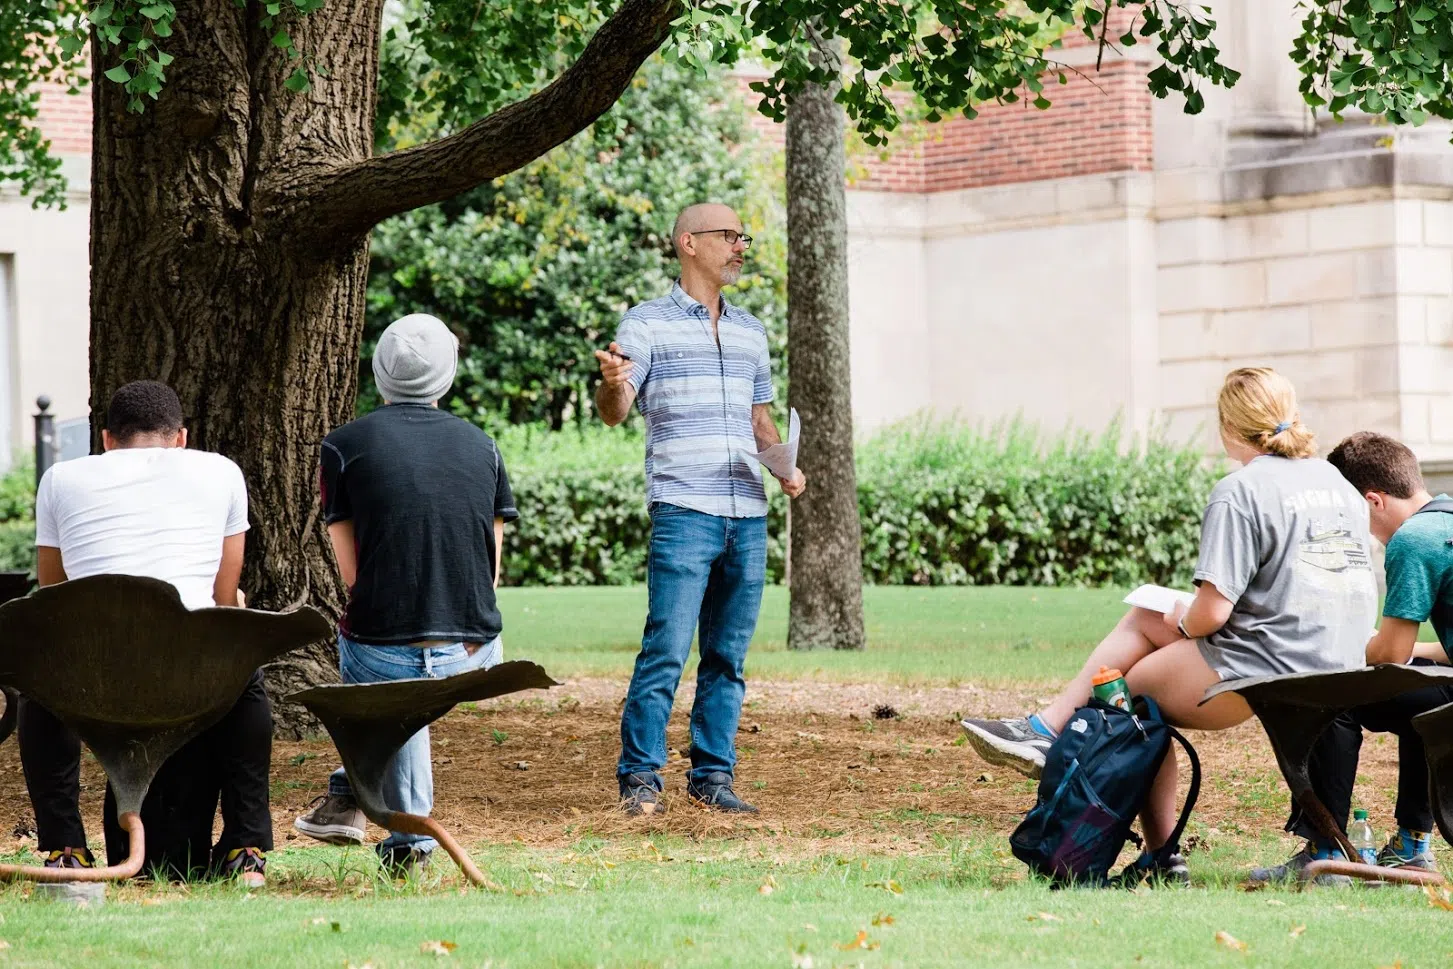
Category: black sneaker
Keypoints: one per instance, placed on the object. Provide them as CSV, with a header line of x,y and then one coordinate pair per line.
x,y
1009,743
70,858
335,819
641,795
1173,871
401,861
716,792
247,865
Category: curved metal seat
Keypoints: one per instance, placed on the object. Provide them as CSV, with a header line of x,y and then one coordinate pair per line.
x,y
369,722
1295,708
135,675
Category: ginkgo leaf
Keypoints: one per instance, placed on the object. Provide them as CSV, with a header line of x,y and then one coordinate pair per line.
x,y
1230,941
1438,897
860,942
1297,930
882,919
437,947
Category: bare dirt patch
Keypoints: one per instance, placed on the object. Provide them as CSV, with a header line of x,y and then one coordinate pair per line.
x,y
828,776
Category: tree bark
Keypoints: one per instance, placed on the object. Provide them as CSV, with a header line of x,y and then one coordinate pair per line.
x,y
827,568
210,272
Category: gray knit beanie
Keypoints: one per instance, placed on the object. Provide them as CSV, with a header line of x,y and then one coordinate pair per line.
x,y
415,360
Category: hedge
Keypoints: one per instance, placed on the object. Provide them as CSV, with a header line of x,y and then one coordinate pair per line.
x,y
941,504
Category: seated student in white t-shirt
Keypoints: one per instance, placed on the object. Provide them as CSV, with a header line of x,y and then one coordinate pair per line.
x,y
149,506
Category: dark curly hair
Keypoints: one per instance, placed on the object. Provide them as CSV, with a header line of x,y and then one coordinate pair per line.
x,y
143,407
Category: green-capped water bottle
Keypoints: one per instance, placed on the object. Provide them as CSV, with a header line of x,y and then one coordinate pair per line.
x,y
1359,832
1110,687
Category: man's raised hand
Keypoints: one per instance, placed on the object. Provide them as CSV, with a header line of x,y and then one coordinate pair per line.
x,y
615,367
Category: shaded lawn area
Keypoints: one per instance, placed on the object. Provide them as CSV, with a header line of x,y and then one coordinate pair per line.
x,y
683,904
991,635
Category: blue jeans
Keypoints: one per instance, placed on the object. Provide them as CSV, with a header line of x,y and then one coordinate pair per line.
x,y
707,570
408,783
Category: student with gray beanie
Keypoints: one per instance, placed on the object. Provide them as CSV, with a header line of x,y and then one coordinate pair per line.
x,y
416,502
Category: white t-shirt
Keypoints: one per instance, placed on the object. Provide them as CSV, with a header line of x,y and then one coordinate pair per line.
x,y
158,512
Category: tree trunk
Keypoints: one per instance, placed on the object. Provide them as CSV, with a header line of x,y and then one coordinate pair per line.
x,y
229,249
826,541
192,285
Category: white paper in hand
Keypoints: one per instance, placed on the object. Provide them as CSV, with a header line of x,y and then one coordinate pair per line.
x,y
781,459
1157,598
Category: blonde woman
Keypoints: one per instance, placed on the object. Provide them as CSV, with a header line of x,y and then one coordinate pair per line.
x,y
1283,585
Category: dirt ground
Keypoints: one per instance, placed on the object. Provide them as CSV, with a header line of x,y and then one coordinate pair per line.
x,y
829,775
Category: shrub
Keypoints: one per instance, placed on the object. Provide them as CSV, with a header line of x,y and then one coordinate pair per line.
x,y
941,504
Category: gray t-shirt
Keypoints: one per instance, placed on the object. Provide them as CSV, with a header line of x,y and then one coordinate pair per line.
x,y
1287,542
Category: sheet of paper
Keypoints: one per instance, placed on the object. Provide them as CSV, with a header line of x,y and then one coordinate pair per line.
x,y
1157,598
781,459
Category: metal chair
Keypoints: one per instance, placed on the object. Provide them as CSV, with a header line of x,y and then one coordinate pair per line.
x,y
135,674
369,722
1295,708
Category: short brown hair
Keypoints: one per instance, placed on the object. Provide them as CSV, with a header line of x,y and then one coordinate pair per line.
x,y
1376,462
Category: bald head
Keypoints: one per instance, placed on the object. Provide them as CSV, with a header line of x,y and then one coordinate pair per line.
x,y
701,217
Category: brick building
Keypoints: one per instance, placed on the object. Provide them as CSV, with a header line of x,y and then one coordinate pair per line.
x,y
1110,256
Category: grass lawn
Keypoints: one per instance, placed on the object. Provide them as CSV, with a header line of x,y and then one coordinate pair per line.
x,y
620,896
683,904
916,635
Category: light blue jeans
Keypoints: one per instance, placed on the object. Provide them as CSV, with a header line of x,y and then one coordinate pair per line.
x,y
408,783
704,576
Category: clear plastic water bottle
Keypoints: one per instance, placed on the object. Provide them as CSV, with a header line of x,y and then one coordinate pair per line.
x,y
1359,832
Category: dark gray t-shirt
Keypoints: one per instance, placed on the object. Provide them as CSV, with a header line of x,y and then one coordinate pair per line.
x,y
1287,542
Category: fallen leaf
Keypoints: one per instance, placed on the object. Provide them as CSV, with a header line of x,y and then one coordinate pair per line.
x,y
1438,898
1230,941
768,886
888,885
861,942
1297,930
809,736
317,921
437,947
808,927
881,919
1275,901
4,944
1044,917
986,778
522,765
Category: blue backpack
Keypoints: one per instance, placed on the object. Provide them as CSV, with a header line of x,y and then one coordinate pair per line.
x,y
1096,777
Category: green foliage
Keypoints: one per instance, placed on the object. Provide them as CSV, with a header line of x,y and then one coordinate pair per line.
x,y
17,516
450,62
1384,57
941,504
26,62
534,270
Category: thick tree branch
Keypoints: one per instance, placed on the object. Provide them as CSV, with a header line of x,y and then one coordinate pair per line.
x,y
352,199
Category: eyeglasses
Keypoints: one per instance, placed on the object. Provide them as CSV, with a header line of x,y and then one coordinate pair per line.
x,y
730,235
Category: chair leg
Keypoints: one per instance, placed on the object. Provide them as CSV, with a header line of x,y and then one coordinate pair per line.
x,y
416,824
1293,731
131,821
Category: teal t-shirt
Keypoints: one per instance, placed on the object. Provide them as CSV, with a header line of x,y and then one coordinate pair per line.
x,y
1419,566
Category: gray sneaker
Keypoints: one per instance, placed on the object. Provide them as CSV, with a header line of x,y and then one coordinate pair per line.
x,y
1009,743
1290,870
335,819
1399,854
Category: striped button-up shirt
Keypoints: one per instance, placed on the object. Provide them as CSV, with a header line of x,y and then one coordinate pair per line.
x,y
697,394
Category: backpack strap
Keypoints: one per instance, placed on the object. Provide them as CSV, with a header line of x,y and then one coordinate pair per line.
x,y
1173,843
1437,504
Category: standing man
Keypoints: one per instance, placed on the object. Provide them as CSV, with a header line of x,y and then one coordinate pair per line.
x,y
149,505
700,371
416,501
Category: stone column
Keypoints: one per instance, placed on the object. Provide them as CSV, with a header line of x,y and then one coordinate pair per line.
x,y
1265,103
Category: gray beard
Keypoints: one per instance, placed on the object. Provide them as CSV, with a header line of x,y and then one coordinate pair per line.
x,y
730,275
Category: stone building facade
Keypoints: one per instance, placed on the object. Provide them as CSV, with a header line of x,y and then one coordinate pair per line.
x,y
1111,257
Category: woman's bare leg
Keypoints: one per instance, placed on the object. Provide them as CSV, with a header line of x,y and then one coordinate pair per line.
x,y
1137,635
1176,677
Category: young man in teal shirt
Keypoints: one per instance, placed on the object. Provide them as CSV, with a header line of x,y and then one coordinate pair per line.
x,y
1418,533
